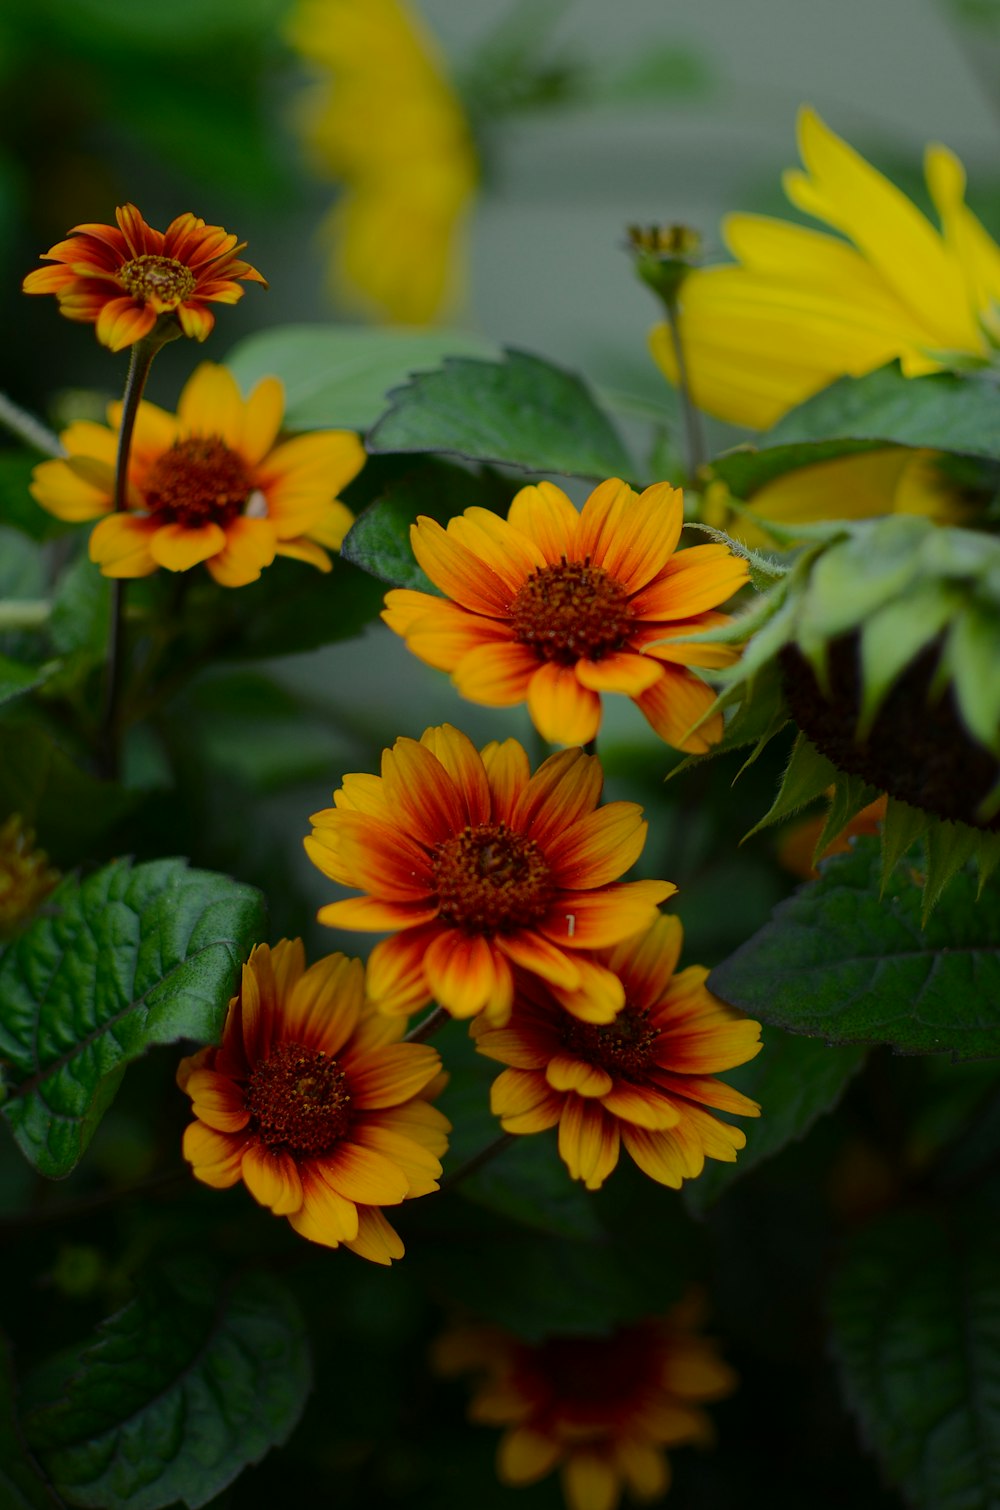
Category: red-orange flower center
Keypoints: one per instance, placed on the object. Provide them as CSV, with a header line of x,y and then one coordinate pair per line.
x,y
571,611
161,280
623,1047
488,878
298,1100
595,1373
198,481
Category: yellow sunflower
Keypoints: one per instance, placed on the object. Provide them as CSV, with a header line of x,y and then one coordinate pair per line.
x,y
312,1102
646,1079
600,1409
26,878
211,483
553,607
800,308
122,278
477,866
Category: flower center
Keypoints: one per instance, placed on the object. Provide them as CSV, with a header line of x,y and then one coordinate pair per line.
x,y
623,1047
298,1101
571,611
157,280
488,878
587,1374
198,481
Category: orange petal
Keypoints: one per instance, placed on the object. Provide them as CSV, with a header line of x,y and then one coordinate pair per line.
x,y
533,952
422,793
363,1175
466,975
507,773
302,549
600,518
599,847
497,675
325,1217
525,1102
566,1073
371,915
391,1075
459,573
546,516
588,1141
641,1106
563,711
647,532
508,553
272,1179
598,997
122,322
377,1240
618,672
396,980
647,962
525,1456
323,1006
217,1101
464,765
596,920
678,702
563,789
701,577
178,548
216,1158
249,546
119,544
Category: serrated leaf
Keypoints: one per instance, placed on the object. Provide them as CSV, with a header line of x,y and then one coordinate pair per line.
x,y
131,957
949,847
915,1309
796,1081
521,412
850,796
837,963
22,1485
902,826
340,375
807,776
184,1388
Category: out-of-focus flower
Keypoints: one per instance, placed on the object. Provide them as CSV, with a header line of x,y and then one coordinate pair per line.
x,y
600,1409
314,1104
211,483
26,878
478,865
800,308
645,1080
555,606
388,126
124,278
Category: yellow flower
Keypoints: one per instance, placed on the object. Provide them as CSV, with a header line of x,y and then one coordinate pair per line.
x,y
122,278
555,606
314,1104
646,1080
389,127
800,308
600,1409
26,877
211,483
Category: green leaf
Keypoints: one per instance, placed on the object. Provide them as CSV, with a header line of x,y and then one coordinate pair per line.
x,y
131,957
807,776
17,507
22,1486
916,1332
943,412
340,375
183,1389
81,611
69,809
837,963
521,412
379,540
293,608
16,680
796,1081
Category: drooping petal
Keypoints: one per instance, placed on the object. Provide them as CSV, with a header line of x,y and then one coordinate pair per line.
x,y
272,1179
178,547
524,1101
676,707
377,1240
563,711
216,1158
525,1456
324,1217
465,976
588,1141
120,546
397,983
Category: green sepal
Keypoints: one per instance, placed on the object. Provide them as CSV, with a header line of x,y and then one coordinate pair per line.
x,y
764,571
902,827
949,848
807,776
894,636
850,795
972,655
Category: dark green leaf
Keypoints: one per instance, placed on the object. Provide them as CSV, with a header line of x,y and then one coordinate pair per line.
x,y
339,375
17,507
294,608
916,1331
82,609
521,412
22,1486
796,1081
189,1384
69,809
943,412
22,574
839,963
15,679
130,957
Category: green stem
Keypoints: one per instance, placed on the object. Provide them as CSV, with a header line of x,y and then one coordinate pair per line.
x,y
473,1165
140,361
24,613
693,435
29,429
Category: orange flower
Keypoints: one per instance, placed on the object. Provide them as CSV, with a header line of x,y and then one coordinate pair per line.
x,y
601,1409
122,279
480,866
312,1101
643,1080
209,484
554,607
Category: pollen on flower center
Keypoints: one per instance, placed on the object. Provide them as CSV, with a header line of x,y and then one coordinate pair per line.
x,y
298,1100
488,878
198,481
623,1047
571,610
160,280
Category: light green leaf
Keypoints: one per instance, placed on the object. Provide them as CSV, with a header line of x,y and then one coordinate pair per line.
x,y
132,956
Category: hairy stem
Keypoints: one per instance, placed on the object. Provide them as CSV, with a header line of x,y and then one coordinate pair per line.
x,y
693,435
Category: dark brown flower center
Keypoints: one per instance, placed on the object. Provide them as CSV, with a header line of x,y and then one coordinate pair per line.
x,y
490,879
198,481
571,611
585,1373
918,750
298,1100
623,1047
162,279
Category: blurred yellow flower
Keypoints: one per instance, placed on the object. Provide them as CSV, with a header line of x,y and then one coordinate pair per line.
x,y
386,123
800,308
26,878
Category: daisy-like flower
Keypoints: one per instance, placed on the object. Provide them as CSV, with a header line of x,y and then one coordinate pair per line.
x,y
386,123
478,865
26,878
211,483
553,607
312,1102
800,308
124,278
646,1079
601,1410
